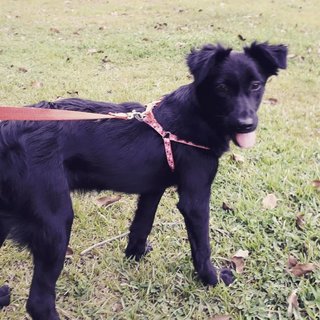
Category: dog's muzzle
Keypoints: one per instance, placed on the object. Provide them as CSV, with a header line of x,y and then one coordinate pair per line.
x,y
245,135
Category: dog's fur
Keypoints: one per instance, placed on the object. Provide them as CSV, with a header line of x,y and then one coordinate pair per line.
x,y
41,162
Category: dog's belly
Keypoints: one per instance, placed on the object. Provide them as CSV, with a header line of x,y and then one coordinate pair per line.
x,y
134,183
116,155
119,169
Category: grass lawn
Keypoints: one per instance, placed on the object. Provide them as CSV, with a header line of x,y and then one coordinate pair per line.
x,y
120,50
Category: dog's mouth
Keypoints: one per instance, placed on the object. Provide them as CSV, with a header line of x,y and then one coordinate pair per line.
x,y
245,140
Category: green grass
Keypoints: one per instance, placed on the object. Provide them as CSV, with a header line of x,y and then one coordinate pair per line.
x,y
46,51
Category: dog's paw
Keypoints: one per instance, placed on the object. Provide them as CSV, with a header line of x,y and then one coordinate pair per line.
x,y
4,296
226,276
208,276
135,254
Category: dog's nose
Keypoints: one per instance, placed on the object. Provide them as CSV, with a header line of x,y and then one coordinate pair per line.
x,y
245,124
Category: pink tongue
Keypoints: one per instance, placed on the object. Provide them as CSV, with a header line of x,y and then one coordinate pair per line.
x,y
246,140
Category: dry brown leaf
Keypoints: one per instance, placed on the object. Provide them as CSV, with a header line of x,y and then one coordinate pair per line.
x,y
270,201
242,254
316,184
107,200
293,302
36,84
272,101
105,59
221,317
54,30
226,207
300,221
92,51
291,56
292,261
73,93
237,157
239,264
238,260
69,252
22,69
117,307
301,269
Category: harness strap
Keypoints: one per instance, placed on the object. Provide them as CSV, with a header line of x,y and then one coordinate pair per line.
x,y
149,118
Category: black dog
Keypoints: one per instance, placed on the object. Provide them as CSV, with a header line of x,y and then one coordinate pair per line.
x,y
41,162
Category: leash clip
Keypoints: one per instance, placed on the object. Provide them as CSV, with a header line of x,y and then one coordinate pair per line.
x,y
136,115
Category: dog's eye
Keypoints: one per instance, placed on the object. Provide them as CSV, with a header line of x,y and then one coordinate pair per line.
x,y
255,86
222,88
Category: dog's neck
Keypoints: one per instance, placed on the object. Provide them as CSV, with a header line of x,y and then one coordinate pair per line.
x,y
180,113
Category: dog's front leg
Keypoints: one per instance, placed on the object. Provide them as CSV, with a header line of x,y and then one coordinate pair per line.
x,y
142,225
194,206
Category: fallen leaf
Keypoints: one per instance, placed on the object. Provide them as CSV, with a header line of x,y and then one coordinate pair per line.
x,y
93,51
300,269
105,59
293,302
73,93
300,221
226,207
292,261
160,26
117,307
221,317
54,30
36,84
22,69
272,101
238,260
291,56
242,254
270,201
237,157
105,201
316,184
69,252
239,264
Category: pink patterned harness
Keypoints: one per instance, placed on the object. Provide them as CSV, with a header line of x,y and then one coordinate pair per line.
x,y
149,118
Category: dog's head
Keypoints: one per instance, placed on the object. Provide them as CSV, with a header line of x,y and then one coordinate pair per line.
x,y
229,85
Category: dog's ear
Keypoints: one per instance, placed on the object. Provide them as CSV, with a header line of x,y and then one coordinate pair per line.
x,y
270,58
201,61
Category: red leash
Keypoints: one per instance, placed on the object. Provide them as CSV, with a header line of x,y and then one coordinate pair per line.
x,y
38,114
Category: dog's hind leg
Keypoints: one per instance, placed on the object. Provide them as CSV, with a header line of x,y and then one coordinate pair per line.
x,y
48,243
4,231
4,290
142,225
